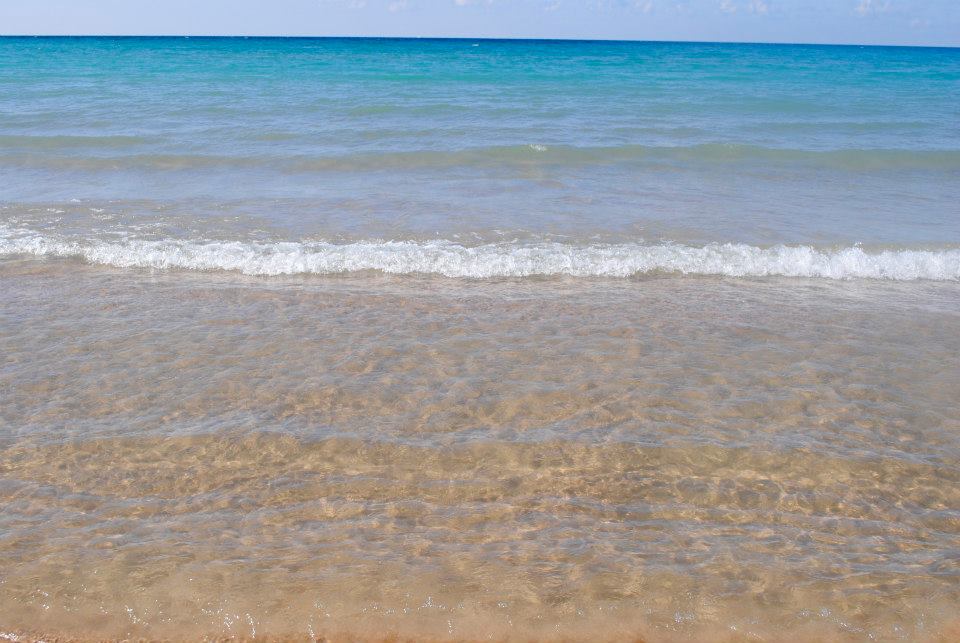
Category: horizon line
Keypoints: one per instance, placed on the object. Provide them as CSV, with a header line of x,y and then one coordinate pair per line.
x,y
473,38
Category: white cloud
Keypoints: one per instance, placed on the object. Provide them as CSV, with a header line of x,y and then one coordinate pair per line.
x,y
759,7
867,7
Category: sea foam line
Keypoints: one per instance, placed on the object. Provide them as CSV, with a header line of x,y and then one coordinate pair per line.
x,y
494,260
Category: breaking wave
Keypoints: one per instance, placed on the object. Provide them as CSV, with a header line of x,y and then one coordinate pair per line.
x,y
513,259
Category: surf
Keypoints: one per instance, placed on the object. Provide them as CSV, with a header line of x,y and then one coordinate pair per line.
x,y
495,260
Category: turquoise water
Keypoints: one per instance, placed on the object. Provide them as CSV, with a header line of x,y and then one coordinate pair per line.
x,y
472,151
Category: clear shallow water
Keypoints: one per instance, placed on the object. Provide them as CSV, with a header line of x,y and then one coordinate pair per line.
x,y
676,458
515,340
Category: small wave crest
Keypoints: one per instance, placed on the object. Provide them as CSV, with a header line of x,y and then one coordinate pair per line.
x,y
514,156
498,260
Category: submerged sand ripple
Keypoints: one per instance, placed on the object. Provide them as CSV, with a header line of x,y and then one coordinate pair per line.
x,y
670,459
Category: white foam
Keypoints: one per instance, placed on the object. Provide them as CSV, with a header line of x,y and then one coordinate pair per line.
x,y
494,260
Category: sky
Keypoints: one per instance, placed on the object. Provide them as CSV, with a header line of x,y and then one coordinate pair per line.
x,y
895,22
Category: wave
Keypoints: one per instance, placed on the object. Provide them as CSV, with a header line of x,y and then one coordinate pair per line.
x,y
57,141
533,155
494,260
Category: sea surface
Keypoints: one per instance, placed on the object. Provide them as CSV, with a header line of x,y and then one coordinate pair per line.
x,y
483,340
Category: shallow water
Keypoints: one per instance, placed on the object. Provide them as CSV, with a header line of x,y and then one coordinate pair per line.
x,y
674,457
554,341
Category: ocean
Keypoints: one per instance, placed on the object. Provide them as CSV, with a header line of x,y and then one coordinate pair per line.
x,y
478,340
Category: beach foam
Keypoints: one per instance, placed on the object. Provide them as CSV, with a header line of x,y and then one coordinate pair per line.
x,y
513,259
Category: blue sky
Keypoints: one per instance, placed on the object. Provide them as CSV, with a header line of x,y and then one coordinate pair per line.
x,y
922,22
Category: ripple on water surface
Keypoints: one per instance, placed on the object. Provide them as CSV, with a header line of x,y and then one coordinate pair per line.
x,y
673,458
